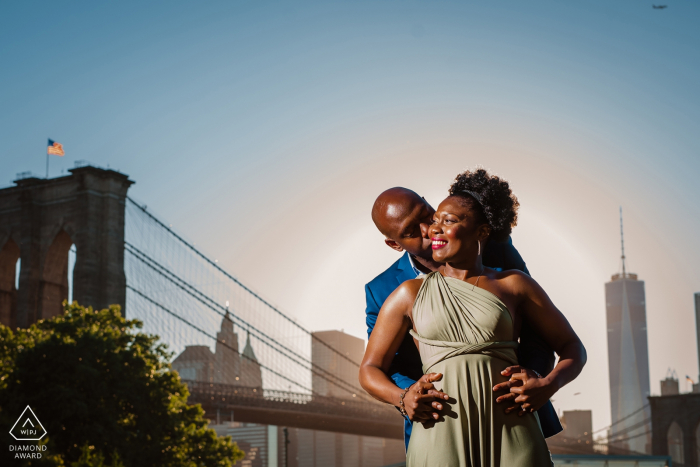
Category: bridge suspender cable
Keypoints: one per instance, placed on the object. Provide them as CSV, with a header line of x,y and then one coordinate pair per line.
x,y
621,420
628,429
175,315
217,267
201,297
209,303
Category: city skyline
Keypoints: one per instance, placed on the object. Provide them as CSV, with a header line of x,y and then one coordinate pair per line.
x,y
271,116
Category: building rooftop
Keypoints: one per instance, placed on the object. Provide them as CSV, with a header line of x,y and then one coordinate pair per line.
x,y
626,275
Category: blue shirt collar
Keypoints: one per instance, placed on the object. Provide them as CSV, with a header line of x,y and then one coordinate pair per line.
x,y
417,271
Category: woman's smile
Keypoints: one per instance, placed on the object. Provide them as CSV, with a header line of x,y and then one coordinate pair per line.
x,y
438,243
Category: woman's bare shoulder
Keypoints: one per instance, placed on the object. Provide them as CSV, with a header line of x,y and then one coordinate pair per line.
x,y
410,287
407,291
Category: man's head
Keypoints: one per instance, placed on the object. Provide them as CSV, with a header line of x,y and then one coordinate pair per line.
x,y
398,214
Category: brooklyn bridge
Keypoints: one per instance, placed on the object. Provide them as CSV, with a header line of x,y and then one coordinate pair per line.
x,y
243,358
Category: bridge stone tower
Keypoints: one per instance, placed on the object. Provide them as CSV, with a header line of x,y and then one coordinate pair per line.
x,y
39,221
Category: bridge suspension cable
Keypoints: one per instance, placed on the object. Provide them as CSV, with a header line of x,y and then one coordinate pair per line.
x,y
622,419
221,310
168,277
176,316
232,278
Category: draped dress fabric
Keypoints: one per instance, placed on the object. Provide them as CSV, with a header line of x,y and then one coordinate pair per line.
x,y
466,333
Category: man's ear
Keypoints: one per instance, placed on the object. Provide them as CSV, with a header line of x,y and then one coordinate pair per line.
x,y
393,245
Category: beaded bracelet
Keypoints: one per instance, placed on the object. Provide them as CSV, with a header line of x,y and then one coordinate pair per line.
x,y
402,407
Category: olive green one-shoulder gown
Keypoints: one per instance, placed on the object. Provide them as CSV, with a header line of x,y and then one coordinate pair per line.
x,y
466,333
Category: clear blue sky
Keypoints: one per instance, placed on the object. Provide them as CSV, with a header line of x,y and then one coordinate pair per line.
x,y
241,120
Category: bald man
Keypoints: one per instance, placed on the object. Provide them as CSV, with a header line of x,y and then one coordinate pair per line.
x,y
402,216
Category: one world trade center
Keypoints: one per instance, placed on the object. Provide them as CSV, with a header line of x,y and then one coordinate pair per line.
x,y
628,360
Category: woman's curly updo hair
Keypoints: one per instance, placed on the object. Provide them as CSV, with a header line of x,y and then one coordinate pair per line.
x,y
494,199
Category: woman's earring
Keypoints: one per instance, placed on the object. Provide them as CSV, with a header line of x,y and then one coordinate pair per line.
x,y
479,252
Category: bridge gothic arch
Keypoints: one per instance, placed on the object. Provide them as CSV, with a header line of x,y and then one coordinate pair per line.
x,y
54,277
40,220
9,256
674,439
697,442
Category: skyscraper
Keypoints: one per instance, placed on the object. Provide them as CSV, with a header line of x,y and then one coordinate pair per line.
x,y
227,366
578,426
340,355
628,359
251,376
697,330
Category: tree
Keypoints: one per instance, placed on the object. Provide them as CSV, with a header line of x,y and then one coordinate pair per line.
x,y
104,391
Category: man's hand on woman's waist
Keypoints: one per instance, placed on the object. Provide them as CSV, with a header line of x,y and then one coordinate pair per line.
x,y
527,390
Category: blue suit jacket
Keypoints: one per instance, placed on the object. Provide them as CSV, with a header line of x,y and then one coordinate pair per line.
x,y
406,367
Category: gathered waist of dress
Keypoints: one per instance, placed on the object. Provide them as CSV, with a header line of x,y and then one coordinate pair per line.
x,y
504,350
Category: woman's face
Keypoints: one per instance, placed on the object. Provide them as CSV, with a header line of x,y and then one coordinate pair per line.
x,y
454,231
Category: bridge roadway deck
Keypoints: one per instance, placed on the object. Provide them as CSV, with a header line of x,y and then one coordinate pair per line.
x,y
281,408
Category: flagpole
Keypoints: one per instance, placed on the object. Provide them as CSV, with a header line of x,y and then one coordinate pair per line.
x,y
47,161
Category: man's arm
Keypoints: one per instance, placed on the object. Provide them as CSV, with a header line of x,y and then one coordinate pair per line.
x,y
533,352
512,258
503,256
529,389
372,311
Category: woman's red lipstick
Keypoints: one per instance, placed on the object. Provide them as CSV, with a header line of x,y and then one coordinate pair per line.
x,y
438,243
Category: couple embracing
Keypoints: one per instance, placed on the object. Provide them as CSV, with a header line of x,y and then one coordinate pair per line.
x,y
461,338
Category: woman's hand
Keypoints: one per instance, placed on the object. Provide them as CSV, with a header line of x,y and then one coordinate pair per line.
x,y
528,391
422,400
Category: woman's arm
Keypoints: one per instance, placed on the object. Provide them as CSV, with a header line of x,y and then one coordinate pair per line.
x,y
392,325
527,390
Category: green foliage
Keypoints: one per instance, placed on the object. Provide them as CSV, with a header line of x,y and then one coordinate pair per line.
x,y
105,394
90,458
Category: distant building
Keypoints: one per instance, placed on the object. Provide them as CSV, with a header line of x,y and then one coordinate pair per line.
x,y
264,446
196,363
252,455
340,355
227,365
228,361
696,386
261,443
578,425
669,386
250,375
628,359
313,448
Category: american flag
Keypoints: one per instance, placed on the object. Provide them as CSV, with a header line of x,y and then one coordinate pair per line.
x,y
55,148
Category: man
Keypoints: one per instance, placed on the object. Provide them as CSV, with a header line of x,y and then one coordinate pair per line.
x,y
402,217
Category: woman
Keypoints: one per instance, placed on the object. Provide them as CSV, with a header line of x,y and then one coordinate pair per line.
x,y
465,319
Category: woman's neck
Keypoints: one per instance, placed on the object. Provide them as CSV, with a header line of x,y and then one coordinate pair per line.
x,y
463,271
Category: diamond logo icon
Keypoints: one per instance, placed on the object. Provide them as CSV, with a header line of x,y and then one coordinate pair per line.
x,y
28,427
